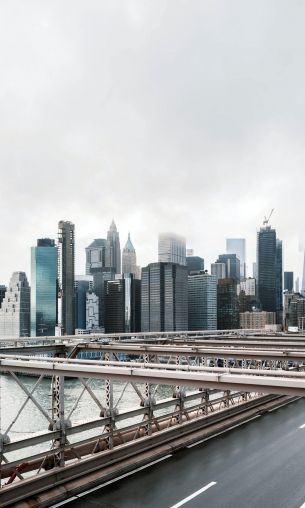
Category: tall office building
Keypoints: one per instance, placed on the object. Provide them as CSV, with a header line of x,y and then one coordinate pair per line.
x,y
238,246
270,271
171,249
255,270
129,259
100,277
164,297
16,308
66,262
82,285
202,301
266,267
113,249
219,270
279,280
95,255
232,265
194,264
288,281
123,305
303,278
43,288
92,311
2,293
227,304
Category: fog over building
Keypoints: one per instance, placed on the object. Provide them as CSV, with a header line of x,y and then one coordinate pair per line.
x,y
171,248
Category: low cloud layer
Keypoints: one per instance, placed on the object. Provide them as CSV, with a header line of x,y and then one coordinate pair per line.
x,y
166,115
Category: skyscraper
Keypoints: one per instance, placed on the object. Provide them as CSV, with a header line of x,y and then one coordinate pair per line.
x,y
194,264
2,293
232,265
164,297
44,288
129,259
100,277
288,281
227,305
113,249
202,301
269,264
303,278
66,261
171,249
82,284
95,255
238,246
279,280
123,305
219,270
16,308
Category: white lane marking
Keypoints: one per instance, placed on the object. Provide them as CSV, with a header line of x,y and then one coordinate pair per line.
x,y
223,431
302,427
82,494
189,498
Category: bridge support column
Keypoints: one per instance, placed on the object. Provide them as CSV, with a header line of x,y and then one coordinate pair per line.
x,y
110,411
58,416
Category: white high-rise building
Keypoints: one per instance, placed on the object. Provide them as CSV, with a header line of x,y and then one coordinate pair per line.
x,y
16,309
238,246
171,249
248,286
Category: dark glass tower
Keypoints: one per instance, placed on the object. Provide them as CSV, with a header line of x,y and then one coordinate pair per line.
x,y
266,266
113,249
43,288
227,305
279,281
66,261
164,297
123,305
288,281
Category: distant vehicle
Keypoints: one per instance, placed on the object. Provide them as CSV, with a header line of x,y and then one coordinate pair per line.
x,y
293,329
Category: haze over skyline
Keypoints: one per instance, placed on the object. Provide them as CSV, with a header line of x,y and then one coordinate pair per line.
x,y
166,116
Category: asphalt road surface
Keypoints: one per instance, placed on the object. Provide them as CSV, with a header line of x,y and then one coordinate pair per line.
x,y
258,465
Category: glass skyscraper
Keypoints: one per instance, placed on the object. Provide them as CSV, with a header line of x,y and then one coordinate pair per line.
x,y
43,288
232,265
270,271
164,298
238,246
202,302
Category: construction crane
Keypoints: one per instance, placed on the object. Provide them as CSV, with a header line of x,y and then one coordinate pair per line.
x,y
266,221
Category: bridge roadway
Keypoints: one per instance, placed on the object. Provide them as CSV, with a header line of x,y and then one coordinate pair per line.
x,y
258,465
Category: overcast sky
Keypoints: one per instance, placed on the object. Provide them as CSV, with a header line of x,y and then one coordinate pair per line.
x,y
175,115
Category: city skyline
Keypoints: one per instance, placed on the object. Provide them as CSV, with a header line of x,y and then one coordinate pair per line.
x,y
150,257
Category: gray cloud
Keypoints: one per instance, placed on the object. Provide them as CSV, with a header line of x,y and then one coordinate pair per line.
x,y
181,115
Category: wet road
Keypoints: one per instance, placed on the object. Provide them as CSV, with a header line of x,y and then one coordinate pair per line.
x,y
258,465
